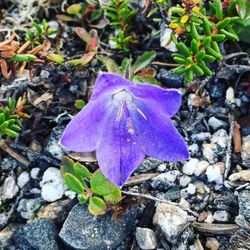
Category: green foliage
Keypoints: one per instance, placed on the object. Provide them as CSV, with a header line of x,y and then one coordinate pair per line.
x,y
39,32
135,72
79,104
10,124
94,188
120,15
199,34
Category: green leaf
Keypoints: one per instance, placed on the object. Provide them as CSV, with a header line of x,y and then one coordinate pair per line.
x,y
79,104
56,58
2,118
74,184
4,125
15,128
189,75
199,56
115,197
126,68
241,8
229,35
198,70
100,184
143,61
74,9
214,53
194,32
10,133
183,49
110,64
179,70
81,171
96,206
194,46
83,199
67,166
209,58
23,57
205,69
218,9
224,23
206,26
218,37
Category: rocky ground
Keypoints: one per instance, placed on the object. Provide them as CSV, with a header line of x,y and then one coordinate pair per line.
x,y
203,203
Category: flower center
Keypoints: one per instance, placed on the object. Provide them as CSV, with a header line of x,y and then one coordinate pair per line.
x,y
122,97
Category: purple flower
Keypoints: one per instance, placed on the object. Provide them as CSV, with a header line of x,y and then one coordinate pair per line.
x,y
124,122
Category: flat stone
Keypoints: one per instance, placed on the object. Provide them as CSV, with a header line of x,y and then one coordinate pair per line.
x,y
146,238
216,123
81,230
170,219
38,235
148,164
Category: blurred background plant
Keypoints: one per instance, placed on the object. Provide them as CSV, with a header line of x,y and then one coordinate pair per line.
x,y
197,34
120,15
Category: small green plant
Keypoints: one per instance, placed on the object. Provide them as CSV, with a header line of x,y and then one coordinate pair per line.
x,y
120,15
94,188
40,32
10,124
198,34
137,71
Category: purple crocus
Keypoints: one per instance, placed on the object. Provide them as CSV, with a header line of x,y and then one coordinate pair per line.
x,y
123,122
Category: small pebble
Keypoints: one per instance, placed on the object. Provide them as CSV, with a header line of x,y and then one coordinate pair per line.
x,y
23,179
191,189
210,217
162,168
201,168
222,216
185,180
220,137
34,173
216,123
214,173
145,238
243,175
230,95
190,166
9,189
212,243
209,152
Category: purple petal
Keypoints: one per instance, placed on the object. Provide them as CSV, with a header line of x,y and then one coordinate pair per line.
x,y
108,83
84,131
118,154
157,135
168,99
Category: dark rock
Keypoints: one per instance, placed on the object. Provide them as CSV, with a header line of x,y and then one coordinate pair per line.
x,y
169,79
81,230
217,89
148,164
244,204
38,235
246,131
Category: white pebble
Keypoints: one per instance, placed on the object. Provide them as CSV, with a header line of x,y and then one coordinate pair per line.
x,y
23,179
222,216
52,185
191,189
230,95
190,166
34,173
201,168
162,168
184,180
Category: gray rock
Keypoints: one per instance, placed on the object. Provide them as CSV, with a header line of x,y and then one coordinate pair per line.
x,y
38,235
169,79
81,230
6,234
9,189
244,204
165,180
216,123
203,136
220,137
28,207
23,179
171,220
222,216
185,180
53,147
145,238
148,164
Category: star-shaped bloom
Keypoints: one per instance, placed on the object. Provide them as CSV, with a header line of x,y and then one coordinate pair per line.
x,y
123,122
